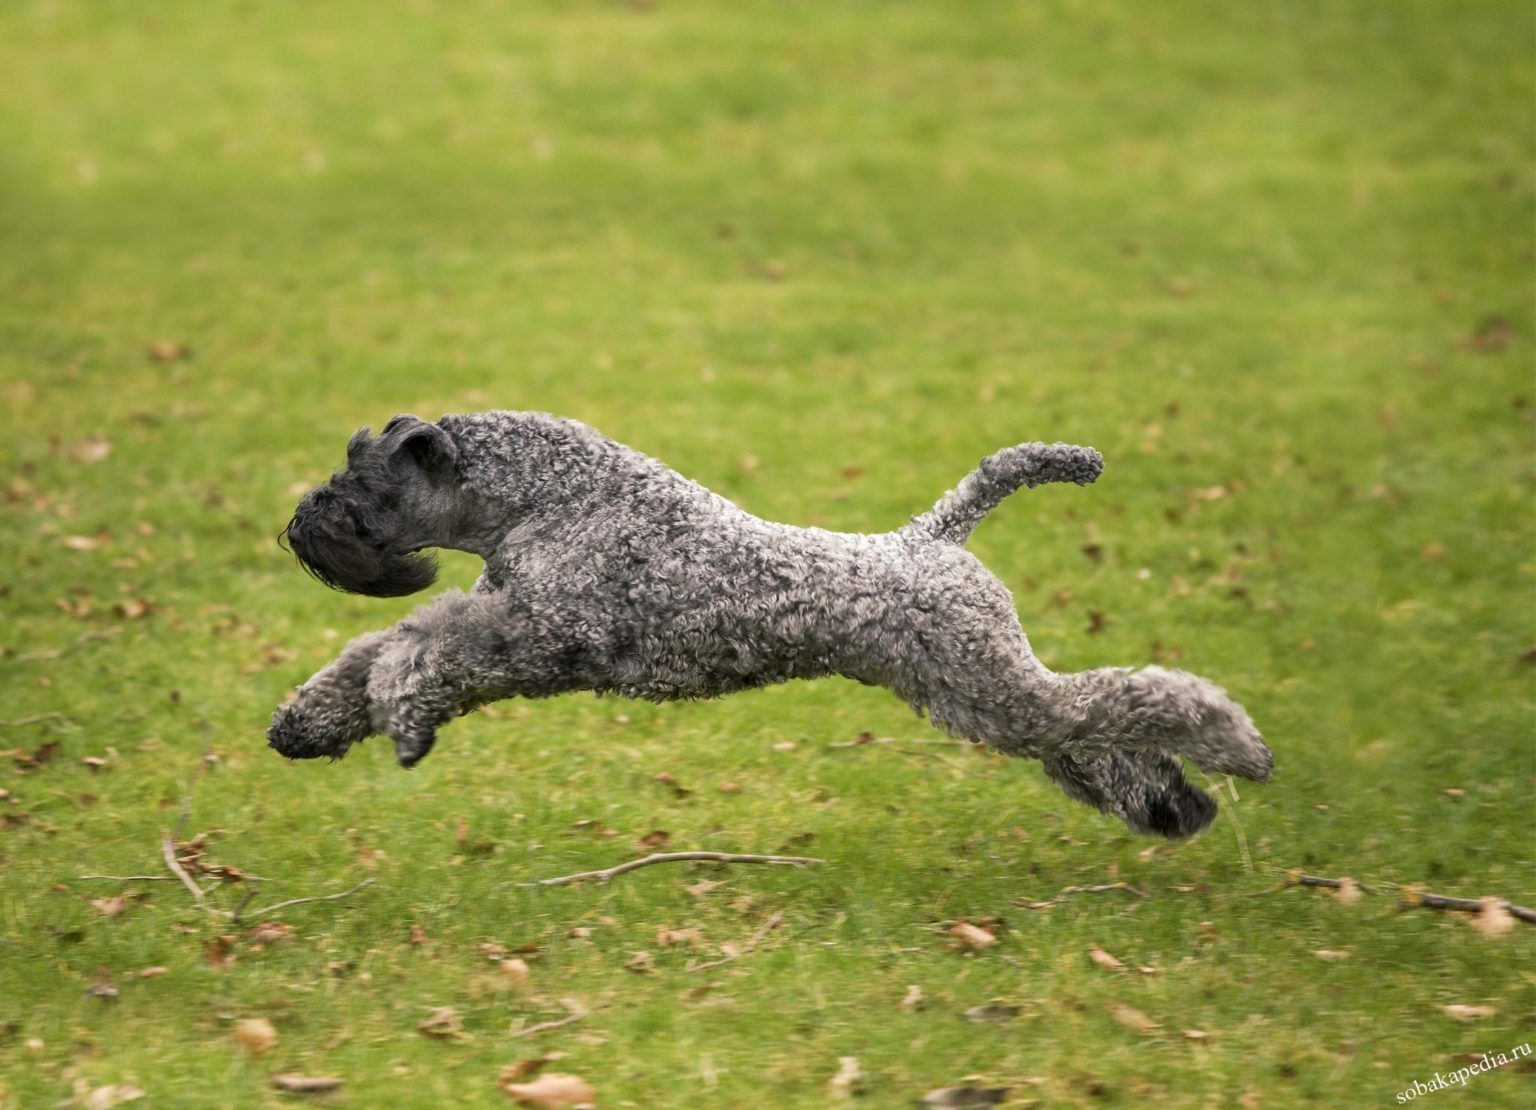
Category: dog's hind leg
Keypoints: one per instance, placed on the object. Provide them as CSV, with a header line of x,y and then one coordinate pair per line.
x,y
459,653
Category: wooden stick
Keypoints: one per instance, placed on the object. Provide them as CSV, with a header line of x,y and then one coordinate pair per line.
x,y
577,1012
1296,878
768,926
1413,898
300,901
608,873
130,878
1067,891
168,852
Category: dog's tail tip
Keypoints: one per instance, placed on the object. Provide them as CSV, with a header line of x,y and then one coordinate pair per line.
x,y
955,516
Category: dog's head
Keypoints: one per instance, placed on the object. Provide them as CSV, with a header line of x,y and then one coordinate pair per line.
x,y
362,531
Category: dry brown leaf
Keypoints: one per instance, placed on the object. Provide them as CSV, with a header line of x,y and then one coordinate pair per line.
x,y
153,972
1132,1018
1104,959
305,1084
91,450
972,937
1493,918
912,999
515,971
1348,891
103,991
134,608
842,1084
674,937
1197,1035
443,1023
269,932
655,839
256,1035
729,788
418,937
168,350
1331,954
113,1094
640,963
1469,1013
552,1091
220,951
524,1068
703,887
80,543
109,907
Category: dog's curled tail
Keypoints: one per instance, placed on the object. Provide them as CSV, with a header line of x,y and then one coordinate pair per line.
x,y
957,513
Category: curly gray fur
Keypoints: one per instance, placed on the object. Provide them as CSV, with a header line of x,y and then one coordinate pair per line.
x,y
606,570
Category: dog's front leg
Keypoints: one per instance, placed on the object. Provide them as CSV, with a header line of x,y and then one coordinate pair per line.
x,y
329,713
458,653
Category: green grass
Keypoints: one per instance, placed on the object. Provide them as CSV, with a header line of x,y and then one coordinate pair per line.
x,y
820,257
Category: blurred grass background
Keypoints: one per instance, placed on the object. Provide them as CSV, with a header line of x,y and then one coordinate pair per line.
x,y
1274,260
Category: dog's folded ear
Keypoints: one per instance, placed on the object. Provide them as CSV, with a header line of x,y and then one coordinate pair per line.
x,y
414,442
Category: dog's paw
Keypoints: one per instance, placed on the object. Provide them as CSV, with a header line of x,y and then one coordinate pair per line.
x,y
412,744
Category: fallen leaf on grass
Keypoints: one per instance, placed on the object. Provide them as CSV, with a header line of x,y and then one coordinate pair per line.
x,y
1493,918
220,951
305,1084
703,887
655,840
1132,1018
153,972
1197,1035
269,932
729,788
256,1035
971,937
640,963
80,543
841,1085
551,1092
525,1068
102,991
1469,1013
515,971
912,999
91,450
674,937
443,1023
168,350
1331,954
133,608
109,907
1104,959
992,1012
418,937
965,1098
113,1094
1348,891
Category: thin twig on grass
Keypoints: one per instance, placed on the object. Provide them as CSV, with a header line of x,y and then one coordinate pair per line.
x,y
129,878
577,1012
608,873
1237,825
909,740
168,851
1067,891
35,719
767,927
1414,898
234,915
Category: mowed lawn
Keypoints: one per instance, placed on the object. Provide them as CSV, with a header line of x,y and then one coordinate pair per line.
x,y
1274,260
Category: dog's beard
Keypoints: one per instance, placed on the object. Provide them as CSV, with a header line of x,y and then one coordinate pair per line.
x,y
328,547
